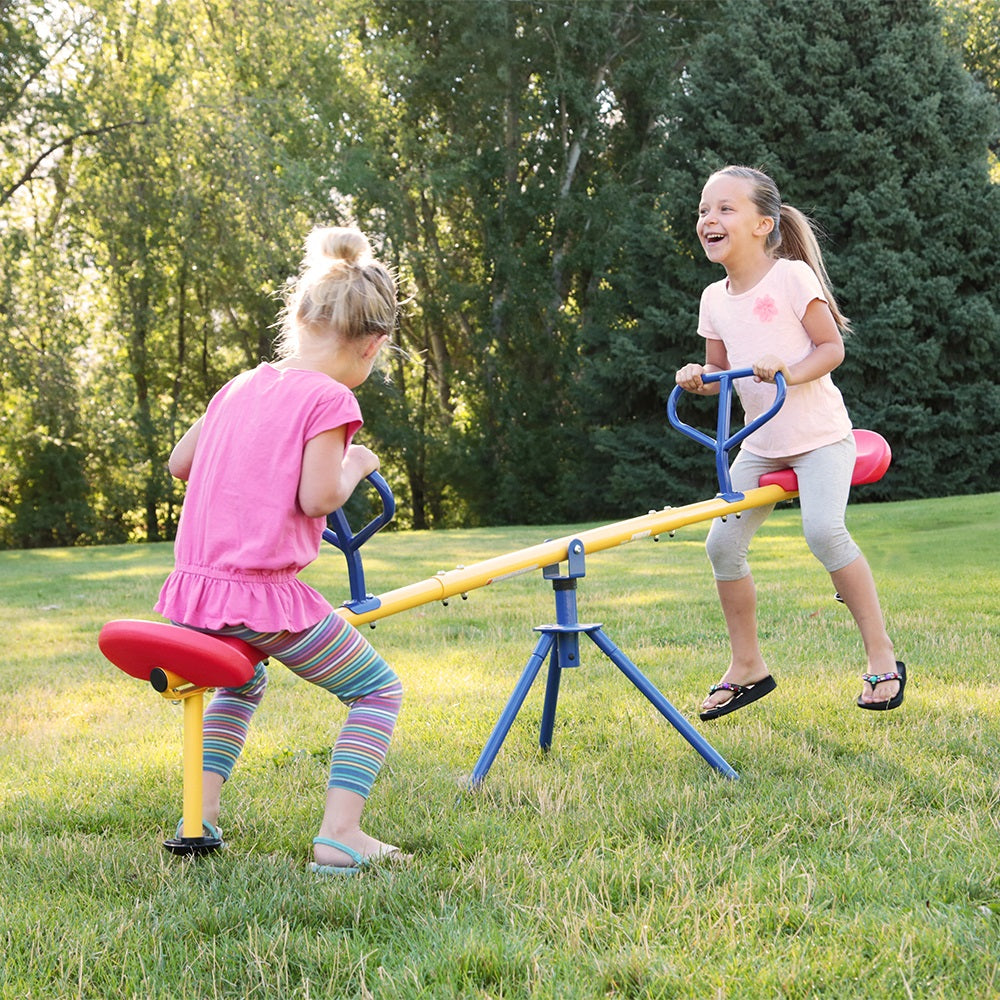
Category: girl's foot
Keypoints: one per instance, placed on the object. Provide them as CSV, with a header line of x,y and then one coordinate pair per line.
x,y
881,691
877,687
368,848
721,695
740,695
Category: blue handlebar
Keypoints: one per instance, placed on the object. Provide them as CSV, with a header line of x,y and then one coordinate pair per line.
x,y
338,532
723,440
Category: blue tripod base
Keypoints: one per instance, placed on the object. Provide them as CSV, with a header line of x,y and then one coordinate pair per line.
x,y
560,643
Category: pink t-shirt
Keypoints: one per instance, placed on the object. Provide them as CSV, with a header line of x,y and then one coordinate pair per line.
x,y
767,319
242,536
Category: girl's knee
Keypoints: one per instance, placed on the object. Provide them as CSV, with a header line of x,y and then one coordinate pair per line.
x,y
392,690
387,689
728,562
254,688
834,548
716,548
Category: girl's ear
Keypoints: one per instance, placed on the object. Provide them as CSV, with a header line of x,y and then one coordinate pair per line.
x,y
374,345
765,226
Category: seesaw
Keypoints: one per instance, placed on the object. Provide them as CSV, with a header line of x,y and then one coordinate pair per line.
x,y
560,641
182,664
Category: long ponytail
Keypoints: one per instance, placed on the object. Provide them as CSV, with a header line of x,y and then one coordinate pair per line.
x,y
797,241
794,233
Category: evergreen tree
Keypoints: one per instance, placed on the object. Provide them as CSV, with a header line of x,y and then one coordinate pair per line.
x,y
868,122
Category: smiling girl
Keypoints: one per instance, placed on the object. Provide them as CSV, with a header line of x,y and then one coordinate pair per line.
x,y
774,312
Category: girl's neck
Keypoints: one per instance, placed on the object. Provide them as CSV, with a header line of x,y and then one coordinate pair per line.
x,y
346,362
323,363
743,276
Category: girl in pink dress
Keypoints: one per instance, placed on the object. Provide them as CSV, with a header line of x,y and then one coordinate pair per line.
x,y
270,458
774,312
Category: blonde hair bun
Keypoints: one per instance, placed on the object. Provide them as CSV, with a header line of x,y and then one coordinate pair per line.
x,y
335,243
341,289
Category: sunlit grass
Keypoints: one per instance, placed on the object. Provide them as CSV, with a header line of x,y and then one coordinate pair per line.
x,y
857,856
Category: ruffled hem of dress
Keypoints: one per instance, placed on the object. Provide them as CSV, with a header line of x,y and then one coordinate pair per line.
x,y
213,603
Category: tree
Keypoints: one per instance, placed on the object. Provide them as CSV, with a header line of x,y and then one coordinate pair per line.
x,y
973,26
218,198
504,165
39,119
867,121
44,489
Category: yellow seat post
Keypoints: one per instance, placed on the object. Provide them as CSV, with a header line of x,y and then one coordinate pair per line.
x,y
193,759
152,651
192,839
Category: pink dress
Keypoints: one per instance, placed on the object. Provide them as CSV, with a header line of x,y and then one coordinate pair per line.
x,y
767,319
242,537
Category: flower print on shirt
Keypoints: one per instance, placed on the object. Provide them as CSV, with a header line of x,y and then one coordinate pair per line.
x,y
765,309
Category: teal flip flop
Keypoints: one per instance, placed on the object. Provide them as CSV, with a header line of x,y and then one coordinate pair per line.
x,y
214,832
359,865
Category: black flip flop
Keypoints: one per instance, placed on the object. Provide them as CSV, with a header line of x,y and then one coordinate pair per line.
x,y
899,674
743,695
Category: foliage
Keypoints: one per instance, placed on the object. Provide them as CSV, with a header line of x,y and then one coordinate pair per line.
x,y
529,170
974,26
513,129
867,122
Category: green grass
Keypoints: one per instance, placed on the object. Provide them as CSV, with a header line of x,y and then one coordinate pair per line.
x,y
857,856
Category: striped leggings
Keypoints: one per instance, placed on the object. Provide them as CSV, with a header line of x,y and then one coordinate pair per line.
x,y
337,658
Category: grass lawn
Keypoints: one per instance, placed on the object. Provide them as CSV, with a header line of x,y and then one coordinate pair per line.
x,y
858,855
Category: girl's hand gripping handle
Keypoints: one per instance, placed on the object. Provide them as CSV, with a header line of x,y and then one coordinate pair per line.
x,y
724,441
338,532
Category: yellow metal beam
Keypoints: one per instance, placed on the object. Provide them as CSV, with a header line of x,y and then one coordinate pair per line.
x,y
465,578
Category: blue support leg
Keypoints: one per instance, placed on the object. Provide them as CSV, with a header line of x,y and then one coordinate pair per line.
x,y
561,642
551,697
500,730
632,672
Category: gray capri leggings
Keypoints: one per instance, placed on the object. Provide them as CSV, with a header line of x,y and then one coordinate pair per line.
x,y
824,485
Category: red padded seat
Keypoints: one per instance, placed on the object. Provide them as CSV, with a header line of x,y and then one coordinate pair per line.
x,y
874,456
140,647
